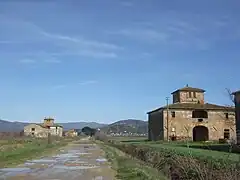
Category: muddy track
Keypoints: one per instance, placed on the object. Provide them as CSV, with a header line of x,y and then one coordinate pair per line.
x,y
79,160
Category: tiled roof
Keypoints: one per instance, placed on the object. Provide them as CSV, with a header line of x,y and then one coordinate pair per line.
x,y
236,92
192,106
187,88
55,125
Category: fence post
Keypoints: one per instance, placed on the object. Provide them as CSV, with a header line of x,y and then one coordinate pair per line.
x,y
49,138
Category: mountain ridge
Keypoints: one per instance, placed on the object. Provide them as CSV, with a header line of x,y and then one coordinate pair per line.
x,y
130,125
16,126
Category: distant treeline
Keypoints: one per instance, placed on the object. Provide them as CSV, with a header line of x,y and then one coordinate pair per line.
x,y
11,134
89,131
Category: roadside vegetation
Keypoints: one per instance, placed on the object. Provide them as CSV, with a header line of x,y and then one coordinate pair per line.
x,y
14,151
128,167
183,160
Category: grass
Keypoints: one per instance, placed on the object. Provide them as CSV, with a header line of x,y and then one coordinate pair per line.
x,y
202,154
185,163
129,168
200,150
16,151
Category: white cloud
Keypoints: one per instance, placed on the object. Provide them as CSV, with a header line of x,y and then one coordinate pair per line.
x,y
82,41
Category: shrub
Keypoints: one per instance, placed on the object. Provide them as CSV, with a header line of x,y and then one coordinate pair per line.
x,y
179,165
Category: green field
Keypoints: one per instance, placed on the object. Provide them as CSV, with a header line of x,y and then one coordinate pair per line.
x,y
189,160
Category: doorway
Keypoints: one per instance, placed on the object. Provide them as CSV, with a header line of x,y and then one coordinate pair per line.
x,y
200,133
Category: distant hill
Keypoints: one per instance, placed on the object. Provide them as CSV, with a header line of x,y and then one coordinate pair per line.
x,y
129,125
7,126
80,125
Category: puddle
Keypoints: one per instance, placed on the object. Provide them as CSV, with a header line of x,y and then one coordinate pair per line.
x,y
29,163
77,162
73,167
98,178
62,156
42,161
15,169
101,160
83,153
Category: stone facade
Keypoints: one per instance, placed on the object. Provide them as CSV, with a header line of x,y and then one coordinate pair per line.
x,y
188,97
182,125
237,107
42,130
71,133
190,118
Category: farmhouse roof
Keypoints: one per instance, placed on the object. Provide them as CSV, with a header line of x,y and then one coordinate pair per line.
x,y
191,106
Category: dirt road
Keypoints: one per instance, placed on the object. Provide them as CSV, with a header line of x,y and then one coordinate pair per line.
x,y
79,160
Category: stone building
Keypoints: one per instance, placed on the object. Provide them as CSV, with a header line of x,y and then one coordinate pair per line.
x,y
189,117
71,133
42,130
237,114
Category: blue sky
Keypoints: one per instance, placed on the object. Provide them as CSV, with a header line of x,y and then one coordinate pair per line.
x,y
107,60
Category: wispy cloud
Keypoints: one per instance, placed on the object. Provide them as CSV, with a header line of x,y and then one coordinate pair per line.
x,y
87,82
142,34
62,44
82,47
83,83
82,41
182,30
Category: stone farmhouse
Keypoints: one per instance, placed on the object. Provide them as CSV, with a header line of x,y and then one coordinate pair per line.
x,y
237,113
42,130
71,133
189,117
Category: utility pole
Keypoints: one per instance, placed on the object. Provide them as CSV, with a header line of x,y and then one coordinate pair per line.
x,y
167,98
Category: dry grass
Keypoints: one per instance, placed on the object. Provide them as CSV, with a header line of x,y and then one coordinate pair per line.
x,y
15,151
179,166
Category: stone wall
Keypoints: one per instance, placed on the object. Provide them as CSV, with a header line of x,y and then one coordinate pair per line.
x,y
155,126
183,123
183,97
56,131
37,132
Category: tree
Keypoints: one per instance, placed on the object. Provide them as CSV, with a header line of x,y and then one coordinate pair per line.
x,y
88,131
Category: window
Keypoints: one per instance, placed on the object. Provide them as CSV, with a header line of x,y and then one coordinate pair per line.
x,y
173,114
194,94
189,94
226,115
33,133
200,120
33,129
226,134
199,114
